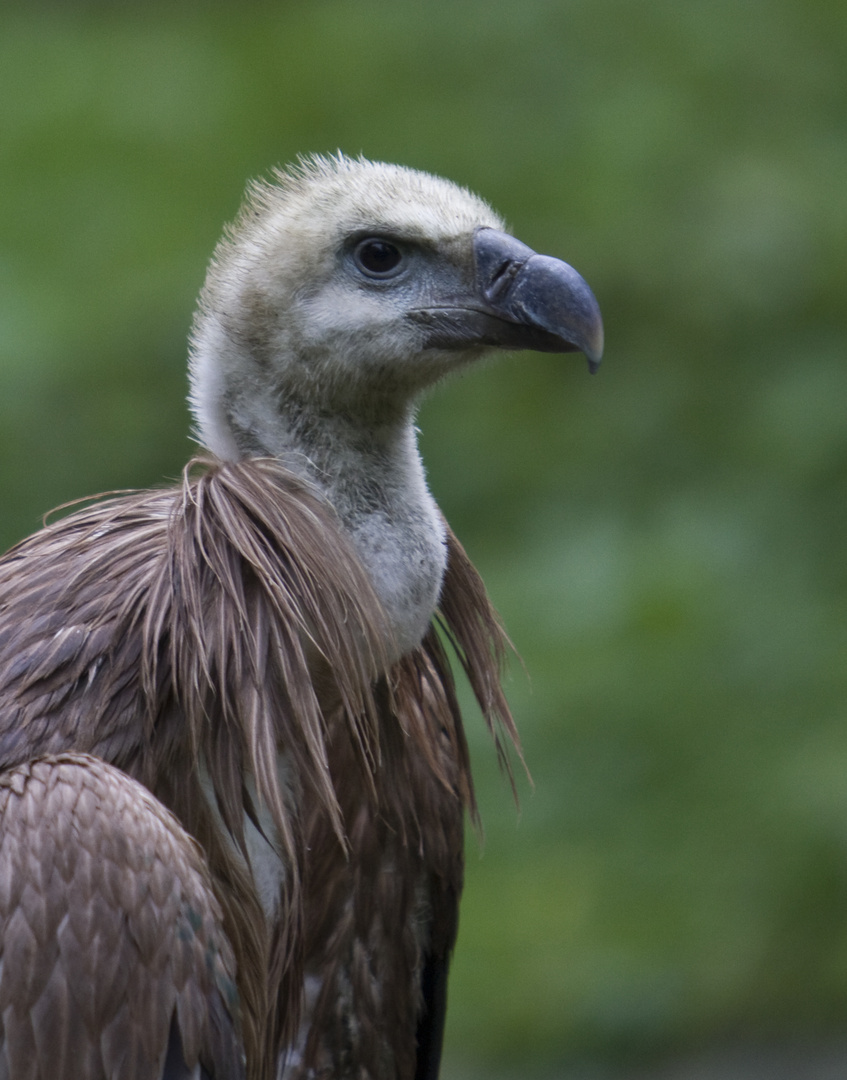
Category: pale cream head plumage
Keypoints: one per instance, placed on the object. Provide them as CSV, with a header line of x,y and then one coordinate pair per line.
x,y
283,312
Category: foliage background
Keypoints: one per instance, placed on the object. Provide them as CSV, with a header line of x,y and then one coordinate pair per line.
x,y
664,540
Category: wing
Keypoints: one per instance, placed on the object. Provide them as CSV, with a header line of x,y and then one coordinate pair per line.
x,y
114,961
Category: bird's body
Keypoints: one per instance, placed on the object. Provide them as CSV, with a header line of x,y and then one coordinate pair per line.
x,y
257,646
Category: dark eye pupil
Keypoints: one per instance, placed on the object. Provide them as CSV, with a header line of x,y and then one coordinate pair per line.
x,y
378,256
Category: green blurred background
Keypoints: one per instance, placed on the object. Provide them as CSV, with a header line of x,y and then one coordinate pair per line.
x,y
664,540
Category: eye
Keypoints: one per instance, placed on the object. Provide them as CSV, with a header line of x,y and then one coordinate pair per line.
x,y
378,258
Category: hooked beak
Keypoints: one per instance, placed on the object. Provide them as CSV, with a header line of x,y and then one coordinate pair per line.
x,y
521,300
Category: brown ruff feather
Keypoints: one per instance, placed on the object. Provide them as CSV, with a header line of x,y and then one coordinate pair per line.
x,y
247,626
230,588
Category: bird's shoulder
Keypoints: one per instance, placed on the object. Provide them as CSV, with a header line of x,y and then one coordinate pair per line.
x,y
69,600
96,606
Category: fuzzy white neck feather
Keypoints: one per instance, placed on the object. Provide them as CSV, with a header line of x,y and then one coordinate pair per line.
x,y
374,479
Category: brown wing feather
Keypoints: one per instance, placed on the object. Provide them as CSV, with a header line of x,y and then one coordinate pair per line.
x,y
109,932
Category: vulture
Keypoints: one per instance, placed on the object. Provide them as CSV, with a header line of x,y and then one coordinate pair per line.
x,y
233,773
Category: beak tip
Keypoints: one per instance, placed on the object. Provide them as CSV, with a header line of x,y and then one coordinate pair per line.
x,y
594,351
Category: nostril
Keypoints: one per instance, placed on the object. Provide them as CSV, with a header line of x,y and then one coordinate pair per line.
x,y
499,260
500,271
501,279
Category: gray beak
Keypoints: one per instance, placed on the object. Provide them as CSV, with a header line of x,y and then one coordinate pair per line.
x,y
519,300
543,303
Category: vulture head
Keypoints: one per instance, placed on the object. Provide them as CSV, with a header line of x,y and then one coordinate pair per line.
x,y
345,287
